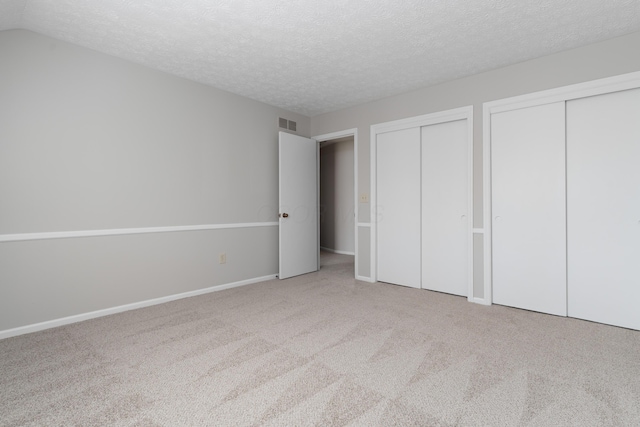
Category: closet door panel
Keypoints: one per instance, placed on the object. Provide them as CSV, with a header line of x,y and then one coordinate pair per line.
x,y
603,204
528,208
398,207
445,210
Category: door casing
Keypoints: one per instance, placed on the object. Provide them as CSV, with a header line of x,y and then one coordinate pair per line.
x,y
328,137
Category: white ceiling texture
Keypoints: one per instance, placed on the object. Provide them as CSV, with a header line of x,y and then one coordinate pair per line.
x,y
316,56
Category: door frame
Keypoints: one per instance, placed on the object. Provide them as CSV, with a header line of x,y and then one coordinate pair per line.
x,y
328,137
462,113
564,93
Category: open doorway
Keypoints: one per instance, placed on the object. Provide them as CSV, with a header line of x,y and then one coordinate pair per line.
x,y
337,206
337,200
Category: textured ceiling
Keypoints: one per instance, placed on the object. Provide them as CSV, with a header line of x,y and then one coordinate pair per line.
x,y
315,56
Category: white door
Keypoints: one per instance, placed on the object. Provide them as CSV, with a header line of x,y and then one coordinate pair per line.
x,y
528,208
603,203
398,207
298,205
445,210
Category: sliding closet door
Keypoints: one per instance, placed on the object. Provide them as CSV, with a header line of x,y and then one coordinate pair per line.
x,y
528,208
603,204
445,210
398,207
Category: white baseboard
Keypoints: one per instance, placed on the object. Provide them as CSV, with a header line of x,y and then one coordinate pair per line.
x,y
481,301
8,333
365,279
335,251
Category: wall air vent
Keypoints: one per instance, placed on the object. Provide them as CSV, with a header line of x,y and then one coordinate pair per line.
x,y
292,125
282,122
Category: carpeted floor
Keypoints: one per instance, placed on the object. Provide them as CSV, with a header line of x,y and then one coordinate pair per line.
x,y
323,349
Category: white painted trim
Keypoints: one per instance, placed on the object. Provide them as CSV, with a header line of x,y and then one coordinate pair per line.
x,y
364,224
123,231
469,116
365,279
481,301
424,120
318,201
462,113
564,93
335,251
356,199
478,231
335,135
119,309
486,206
373,207
341,134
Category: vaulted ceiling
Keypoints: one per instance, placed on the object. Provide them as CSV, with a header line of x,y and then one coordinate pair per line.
x,y
316,56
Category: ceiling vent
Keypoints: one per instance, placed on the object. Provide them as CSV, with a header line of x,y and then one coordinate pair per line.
x,y
292,125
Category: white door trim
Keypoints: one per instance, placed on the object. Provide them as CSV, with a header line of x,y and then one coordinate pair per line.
x,y
463,113
564,93
341,134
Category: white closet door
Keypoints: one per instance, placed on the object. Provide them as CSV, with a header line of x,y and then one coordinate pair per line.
x,y
603,203
398,206
445,210
528,208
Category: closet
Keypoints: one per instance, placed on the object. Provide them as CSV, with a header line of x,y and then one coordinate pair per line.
x,y
565,201
398,198
423,190
528,177
603,207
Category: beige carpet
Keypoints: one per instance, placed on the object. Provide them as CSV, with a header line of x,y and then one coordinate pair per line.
x,y
323,349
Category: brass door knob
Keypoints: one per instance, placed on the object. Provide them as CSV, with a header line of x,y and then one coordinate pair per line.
x,y
285,215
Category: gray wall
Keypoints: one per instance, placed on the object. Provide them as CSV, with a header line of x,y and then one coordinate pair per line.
x,y
605,59
337,220
89,141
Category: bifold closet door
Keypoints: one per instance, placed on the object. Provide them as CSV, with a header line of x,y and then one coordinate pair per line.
x,y
528,208
445,210
398,207
603,204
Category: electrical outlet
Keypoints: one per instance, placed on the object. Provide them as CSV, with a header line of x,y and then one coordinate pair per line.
x,y
364,198
223,258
